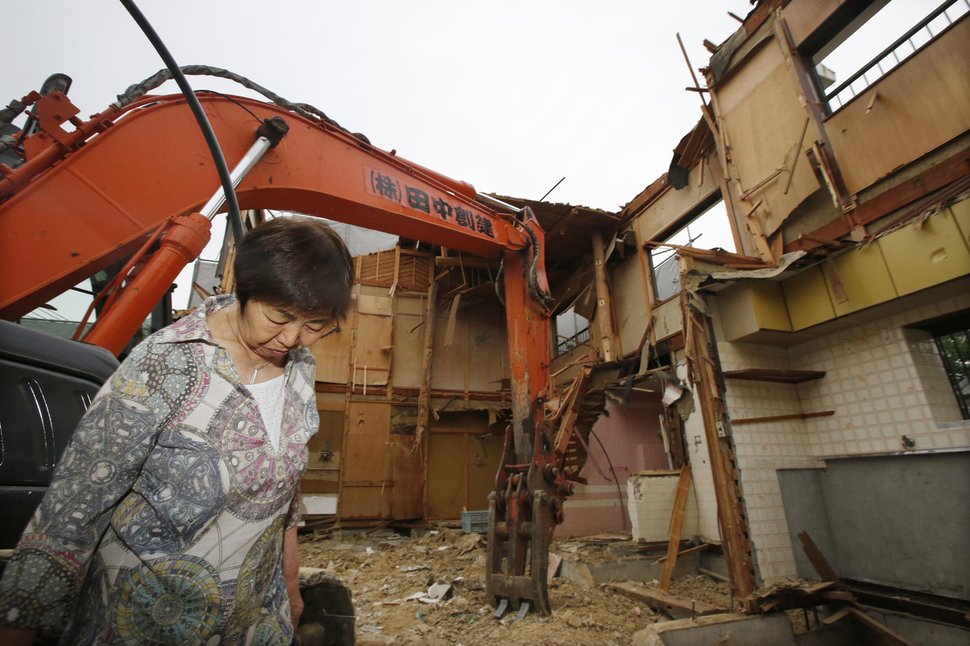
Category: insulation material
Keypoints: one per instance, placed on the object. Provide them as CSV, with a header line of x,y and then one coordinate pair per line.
x,y
764,123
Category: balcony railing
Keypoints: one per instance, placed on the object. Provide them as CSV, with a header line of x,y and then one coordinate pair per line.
x,y
567,344
923,33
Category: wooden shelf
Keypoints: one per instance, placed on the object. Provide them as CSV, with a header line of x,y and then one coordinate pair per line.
x,y
778,418
780,376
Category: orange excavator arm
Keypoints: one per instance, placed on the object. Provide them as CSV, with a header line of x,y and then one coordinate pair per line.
x,y
134,179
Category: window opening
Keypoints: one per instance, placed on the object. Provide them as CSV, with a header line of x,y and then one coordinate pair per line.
x,y
709,230
850,53
955,351
570,330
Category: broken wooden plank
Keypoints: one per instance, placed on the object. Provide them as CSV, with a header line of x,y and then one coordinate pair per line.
x,y
778,418
676,525
665,602
814,555
779,376
697,548
870,623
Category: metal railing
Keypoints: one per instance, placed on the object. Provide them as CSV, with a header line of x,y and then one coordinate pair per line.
x,y
908,44
955,351
566,344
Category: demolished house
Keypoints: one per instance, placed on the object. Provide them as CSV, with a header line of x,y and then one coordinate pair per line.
x,y
799,405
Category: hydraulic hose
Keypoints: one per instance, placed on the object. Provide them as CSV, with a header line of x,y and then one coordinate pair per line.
x,y
235,219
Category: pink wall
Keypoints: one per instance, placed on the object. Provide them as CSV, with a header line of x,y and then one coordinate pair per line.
x,y
631,436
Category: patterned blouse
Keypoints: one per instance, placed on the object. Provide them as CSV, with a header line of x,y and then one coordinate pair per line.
x,y
164,520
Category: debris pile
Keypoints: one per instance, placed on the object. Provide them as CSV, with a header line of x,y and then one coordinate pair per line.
x,y
431,590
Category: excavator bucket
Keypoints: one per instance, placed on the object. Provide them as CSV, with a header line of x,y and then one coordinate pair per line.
x,y
523,513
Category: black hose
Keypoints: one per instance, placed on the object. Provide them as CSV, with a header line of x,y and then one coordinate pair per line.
x,y
616,478
235,219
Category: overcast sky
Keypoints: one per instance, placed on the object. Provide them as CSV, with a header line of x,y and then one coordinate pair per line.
x,y
510,96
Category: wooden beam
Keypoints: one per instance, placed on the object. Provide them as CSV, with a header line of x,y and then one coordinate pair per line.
x,y
804,77
818,560
424,397
676,525
466,261
870,623
665,602
897,197
779,418
604,302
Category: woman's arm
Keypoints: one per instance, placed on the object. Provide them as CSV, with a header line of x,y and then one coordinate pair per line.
x,y
291,571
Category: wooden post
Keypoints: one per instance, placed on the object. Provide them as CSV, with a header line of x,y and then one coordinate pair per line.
x,y
424,396
604,302
676,525
730,510
347,399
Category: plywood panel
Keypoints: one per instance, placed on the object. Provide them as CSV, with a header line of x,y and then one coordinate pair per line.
x,y
489,355
668,319
932,254
407,496
804,17
378,305
923,103
373,347
750,306
673,204
764,120
332,354
446,476
408,346
364,477
864,277
630,299
484,457
448,362
961,213
808,299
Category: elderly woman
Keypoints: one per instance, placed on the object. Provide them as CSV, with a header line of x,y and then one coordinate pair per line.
x,y
172,516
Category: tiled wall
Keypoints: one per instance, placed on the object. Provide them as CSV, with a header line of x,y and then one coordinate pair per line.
x,y
651,495
882,381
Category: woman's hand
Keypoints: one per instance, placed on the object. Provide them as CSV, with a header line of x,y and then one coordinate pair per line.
x,y
291,571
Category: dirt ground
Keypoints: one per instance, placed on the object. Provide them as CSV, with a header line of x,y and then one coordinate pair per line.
x,y
390,577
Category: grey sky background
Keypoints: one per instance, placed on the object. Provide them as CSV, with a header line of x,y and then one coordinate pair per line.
x,y
510,96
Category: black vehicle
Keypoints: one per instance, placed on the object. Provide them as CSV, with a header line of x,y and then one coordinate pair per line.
x,y
46,384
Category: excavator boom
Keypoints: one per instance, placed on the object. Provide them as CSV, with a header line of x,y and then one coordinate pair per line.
x,y
132,180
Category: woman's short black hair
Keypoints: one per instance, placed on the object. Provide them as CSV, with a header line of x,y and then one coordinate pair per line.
x,y
295,263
